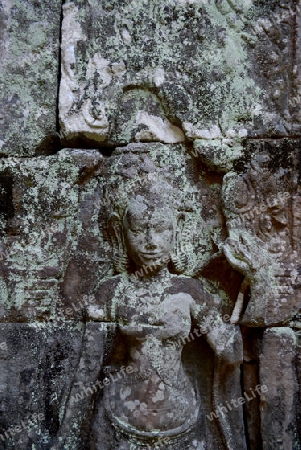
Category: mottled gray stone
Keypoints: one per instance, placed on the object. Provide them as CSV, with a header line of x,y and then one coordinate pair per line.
x,y
149,306
165,238
262,210
29,51
43,218
278,404
216,71
38,364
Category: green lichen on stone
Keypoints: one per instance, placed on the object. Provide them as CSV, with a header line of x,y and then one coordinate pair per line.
x,y
29,77
192,58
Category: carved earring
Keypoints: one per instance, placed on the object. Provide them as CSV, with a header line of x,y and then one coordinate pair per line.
x,y
120,262
178,257
120,258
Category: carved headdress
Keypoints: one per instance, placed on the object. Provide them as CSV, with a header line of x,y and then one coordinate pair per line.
x,y
136,178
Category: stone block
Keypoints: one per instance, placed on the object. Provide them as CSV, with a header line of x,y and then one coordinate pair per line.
x,y
278,403
29,51
174,70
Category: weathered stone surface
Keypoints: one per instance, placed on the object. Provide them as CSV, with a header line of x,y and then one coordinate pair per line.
x,y
252,338
54,256
46,217
298,403
29,51
38,362
262,209
215,71
150,308
278,404
150,271
51,272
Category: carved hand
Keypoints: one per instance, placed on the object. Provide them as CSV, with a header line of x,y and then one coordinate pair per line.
x,y
243,256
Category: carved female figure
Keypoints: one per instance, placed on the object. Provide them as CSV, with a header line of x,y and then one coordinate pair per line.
x,y
152,310
158,395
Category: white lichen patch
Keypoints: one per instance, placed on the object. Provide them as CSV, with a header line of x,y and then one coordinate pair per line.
x,y
158,129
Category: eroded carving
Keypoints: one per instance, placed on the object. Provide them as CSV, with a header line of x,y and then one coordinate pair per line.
x,y
208,45
263,224
153,309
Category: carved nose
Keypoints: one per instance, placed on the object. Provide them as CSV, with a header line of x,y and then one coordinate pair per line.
x,y
150,246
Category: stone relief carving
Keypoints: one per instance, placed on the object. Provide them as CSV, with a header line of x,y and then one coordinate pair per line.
x,y
150,294
91,121
152,308
221,44
262,221
261,214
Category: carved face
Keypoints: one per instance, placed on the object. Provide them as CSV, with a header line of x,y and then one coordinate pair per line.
x,y
148,235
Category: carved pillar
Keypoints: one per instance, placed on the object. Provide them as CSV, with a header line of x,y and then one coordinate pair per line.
x,y
278,405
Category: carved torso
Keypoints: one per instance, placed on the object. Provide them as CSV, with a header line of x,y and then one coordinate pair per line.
x,y
154,320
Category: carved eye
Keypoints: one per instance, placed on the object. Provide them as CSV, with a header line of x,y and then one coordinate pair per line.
x,y
159,228
136,231
162,226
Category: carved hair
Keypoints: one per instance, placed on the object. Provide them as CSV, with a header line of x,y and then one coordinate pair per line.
x,y
145,184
